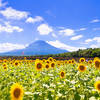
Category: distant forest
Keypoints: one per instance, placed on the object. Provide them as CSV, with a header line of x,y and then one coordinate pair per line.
x,y
80,53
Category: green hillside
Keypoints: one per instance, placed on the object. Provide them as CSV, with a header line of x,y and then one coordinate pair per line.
x,y
80,53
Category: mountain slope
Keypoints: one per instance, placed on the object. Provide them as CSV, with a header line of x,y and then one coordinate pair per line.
x,y
38,47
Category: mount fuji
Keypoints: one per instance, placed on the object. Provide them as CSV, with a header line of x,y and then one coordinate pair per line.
x,y
37,48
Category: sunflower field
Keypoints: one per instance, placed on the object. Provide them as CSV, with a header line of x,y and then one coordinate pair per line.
x,y
49,79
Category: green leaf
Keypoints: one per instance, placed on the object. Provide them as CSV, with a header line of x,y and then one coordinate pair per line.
x,y
77,96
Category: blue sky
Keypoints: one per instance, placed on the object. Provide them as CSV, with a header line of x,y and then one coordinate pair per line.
x,y
65,24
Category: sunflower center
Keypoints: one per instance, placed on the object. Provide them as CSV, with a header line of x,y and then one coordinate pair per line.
x,y
4,65
98,86
39,66
16,63
62,73
58,64
97,64
5,68
82,60
50,59
82,67
47,66
48,62
52,65
17,92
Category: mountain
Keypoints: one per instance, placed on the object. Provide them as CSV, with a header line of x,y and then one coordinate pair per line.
x,y
38,47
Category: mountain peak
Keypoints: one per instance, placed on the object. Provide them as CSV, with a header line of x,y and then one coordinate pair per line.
x,y
39,47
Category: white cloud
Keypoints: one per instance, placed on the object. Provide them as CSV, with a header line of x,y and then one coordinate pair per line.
x,y
9,29
4,47
81,29
60,45
10,13
67,32
49,12
96,29
88,40
17,28
54,35
94,46
36,38
36,19
94,39
61,27
2,4
76,37
93,21
44,29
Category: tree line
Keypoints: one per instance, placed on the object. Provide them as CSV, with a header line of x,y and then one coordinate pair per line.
x,y
89,52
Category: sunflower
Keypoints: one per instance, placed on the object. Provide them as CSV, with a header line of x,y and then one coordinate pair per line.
x,y
4,65
28,65
58,64
5,68
50,58
4,60
47,66
0,61
62,74
81,68
97,85
54,60
43,60
52,64
97,63
82,60
16,92
11,62
38,65
16,63
73,61
27,61
30,61
90,62
96,58
24,58
47,61
65,61
69,61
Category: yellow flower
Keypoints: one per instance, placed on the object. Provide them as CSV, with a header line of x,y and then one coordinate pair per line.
x,y
97,63
5,68
16,92
81,68
58,64
96,58
69,61
47,61
62,74
16,63
90,62
27,61
73,61
47,66
97,85
52,64
39,66
50,58
11,62
4,60
82,60
28,65
65,61
43,60
4,65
